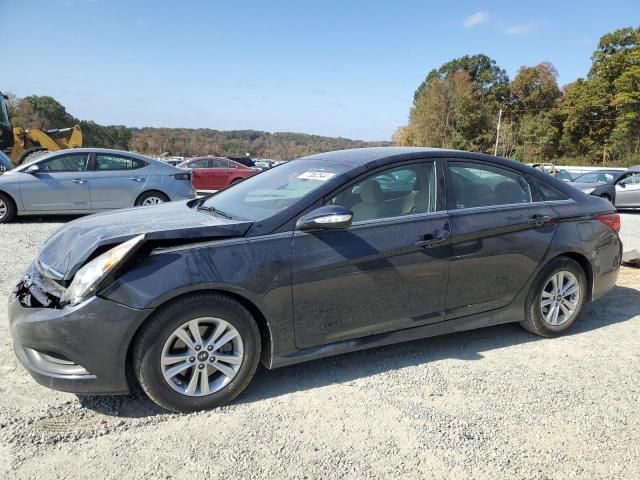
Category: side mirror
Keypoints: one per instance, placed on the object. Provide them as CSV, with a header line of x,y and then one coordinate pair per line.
x,y
332,217
623,184
33,169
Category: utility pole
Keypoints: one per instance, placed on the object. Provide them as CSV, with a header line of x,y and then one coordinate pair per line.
x,y
495,151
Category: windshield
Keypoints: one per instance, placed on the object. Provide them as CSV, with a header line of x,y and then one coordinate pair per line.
x,y
270,192
597,177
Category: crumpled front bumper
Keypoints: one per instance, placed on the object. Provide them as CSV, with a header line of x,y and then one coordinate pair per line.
x,y
80,349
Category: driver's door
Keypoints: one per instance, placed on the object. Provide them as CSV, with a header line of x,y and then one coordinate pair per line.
x,y
628,191
387,272
61,184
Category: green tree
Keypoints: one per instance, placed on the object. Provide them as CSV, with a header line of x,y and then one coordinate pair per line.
x,y
484,73
445,115
589,118
535,88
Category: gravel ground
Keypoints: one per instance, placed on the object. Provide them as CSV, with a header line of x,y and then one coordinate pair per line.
x,y
492,403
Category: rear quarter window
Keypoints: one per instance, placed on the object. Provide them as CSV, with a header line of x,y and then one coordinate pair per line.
x,y
545,193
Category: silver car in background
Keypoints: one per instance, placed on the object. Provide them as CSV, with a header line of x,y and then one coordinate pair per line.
x,y
89,180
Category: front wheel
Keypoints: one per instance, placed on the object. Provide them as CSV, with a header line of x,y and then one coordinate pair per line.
x,y
196,353
556,298
7,209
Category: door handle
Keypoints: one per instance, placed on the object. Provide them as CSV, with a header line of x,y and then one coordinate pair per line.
x,y
430,241
539,220
136,179
78,180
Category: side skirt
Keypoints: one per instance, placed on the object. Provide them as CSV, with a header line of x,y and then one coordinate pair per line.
x,y
506,314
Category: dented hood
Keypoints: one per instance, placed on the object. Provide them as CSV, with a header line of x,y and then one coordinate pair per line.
x,y
71,245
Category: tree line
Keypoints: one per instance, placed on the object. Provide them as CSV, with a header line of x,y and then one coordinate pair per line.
x,y
592,120
47,113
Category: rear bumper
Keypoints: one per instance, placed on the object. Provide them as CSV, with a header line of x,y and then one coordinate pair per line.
x,y
82,349
606,265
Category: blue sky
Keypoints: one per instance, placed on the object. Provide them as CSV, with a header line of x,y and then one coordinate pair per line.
x,y
340,68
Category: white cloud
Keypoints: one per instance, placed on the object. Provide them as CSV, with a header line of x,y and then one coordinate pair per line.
x,y
475,19
522,28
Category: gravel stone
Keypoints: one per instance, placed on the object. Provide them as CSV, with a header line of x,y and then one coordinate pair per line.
x,y
486,404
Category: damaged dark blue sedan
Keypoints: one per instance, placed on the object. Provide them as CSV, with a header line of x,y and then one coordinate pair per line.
x,y
322,255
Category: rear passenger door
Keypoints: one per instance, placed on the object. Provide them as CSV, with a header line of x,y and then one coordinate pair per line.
x,y
499,234
117,180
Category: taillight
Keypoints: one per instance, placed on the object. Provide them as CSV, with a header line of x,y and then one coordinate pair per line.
x,y
183,176
611,220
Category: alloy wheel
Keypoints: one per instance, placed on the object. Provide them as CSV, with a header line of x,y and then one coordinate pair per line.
x,y
3,209
152,201
202,356
560,298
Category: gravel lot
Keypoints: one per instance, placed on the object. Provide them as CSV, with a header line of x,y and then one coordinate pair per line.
x,y
493,403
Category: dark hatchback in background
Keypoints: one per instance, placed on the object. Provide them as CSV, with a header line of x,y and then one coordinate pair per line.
x,y
323,255
620,187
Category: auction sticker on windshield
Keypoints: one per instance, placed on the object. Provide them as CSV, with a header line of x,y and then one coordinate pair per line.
x,y
316,175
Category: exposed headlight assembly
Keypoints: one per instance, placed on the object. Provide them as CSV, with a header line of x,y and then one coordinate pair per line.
x,y
589,191
90,277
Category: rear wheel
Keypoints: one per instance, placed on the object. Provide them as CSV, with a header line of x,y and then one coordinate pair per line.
x,y
196,353
7,208
556,298
151,198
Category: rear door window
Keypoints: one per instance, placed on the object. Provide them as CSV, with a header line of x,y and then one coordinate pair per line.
x,y
113,162
481,185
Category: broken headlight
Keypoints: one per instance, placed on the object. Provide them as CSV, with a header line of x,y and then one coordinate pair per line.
x,y
87,280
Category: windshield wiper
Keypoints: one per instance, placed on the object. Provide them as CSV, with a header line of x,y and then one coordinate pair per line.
x,y
214,210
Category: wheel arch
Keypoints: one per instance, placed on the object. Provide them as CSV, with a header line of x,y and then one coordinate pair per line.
x,y
586,266
11,197
261,321
151,190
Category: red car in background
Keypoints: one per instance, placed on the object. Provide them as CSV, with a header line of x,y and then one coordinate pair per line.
x,y
216,173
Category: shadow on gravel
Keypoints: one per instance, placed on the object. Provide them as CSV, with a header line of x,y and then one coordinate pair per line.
x,y
620,305
46,219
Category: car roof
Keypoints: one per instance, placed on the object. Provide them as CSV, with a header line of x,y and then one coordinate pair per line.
x,y
362,156
110,151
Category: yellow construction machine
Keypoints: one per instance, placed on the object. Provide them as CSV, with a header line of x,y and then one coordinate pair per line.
x,y
26,143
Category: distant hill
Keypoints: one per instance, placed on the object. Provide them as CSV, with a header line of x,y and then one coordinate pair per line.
x,y
201,141
46,112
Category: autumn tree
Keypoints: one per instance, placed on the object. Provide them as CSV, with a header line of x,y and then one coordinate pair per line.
x,y
445,115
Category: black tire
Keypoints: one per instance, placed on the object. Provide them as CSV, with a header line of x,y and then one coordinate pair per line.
x,y
534,320
150,341
150,195
7,208
31,154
